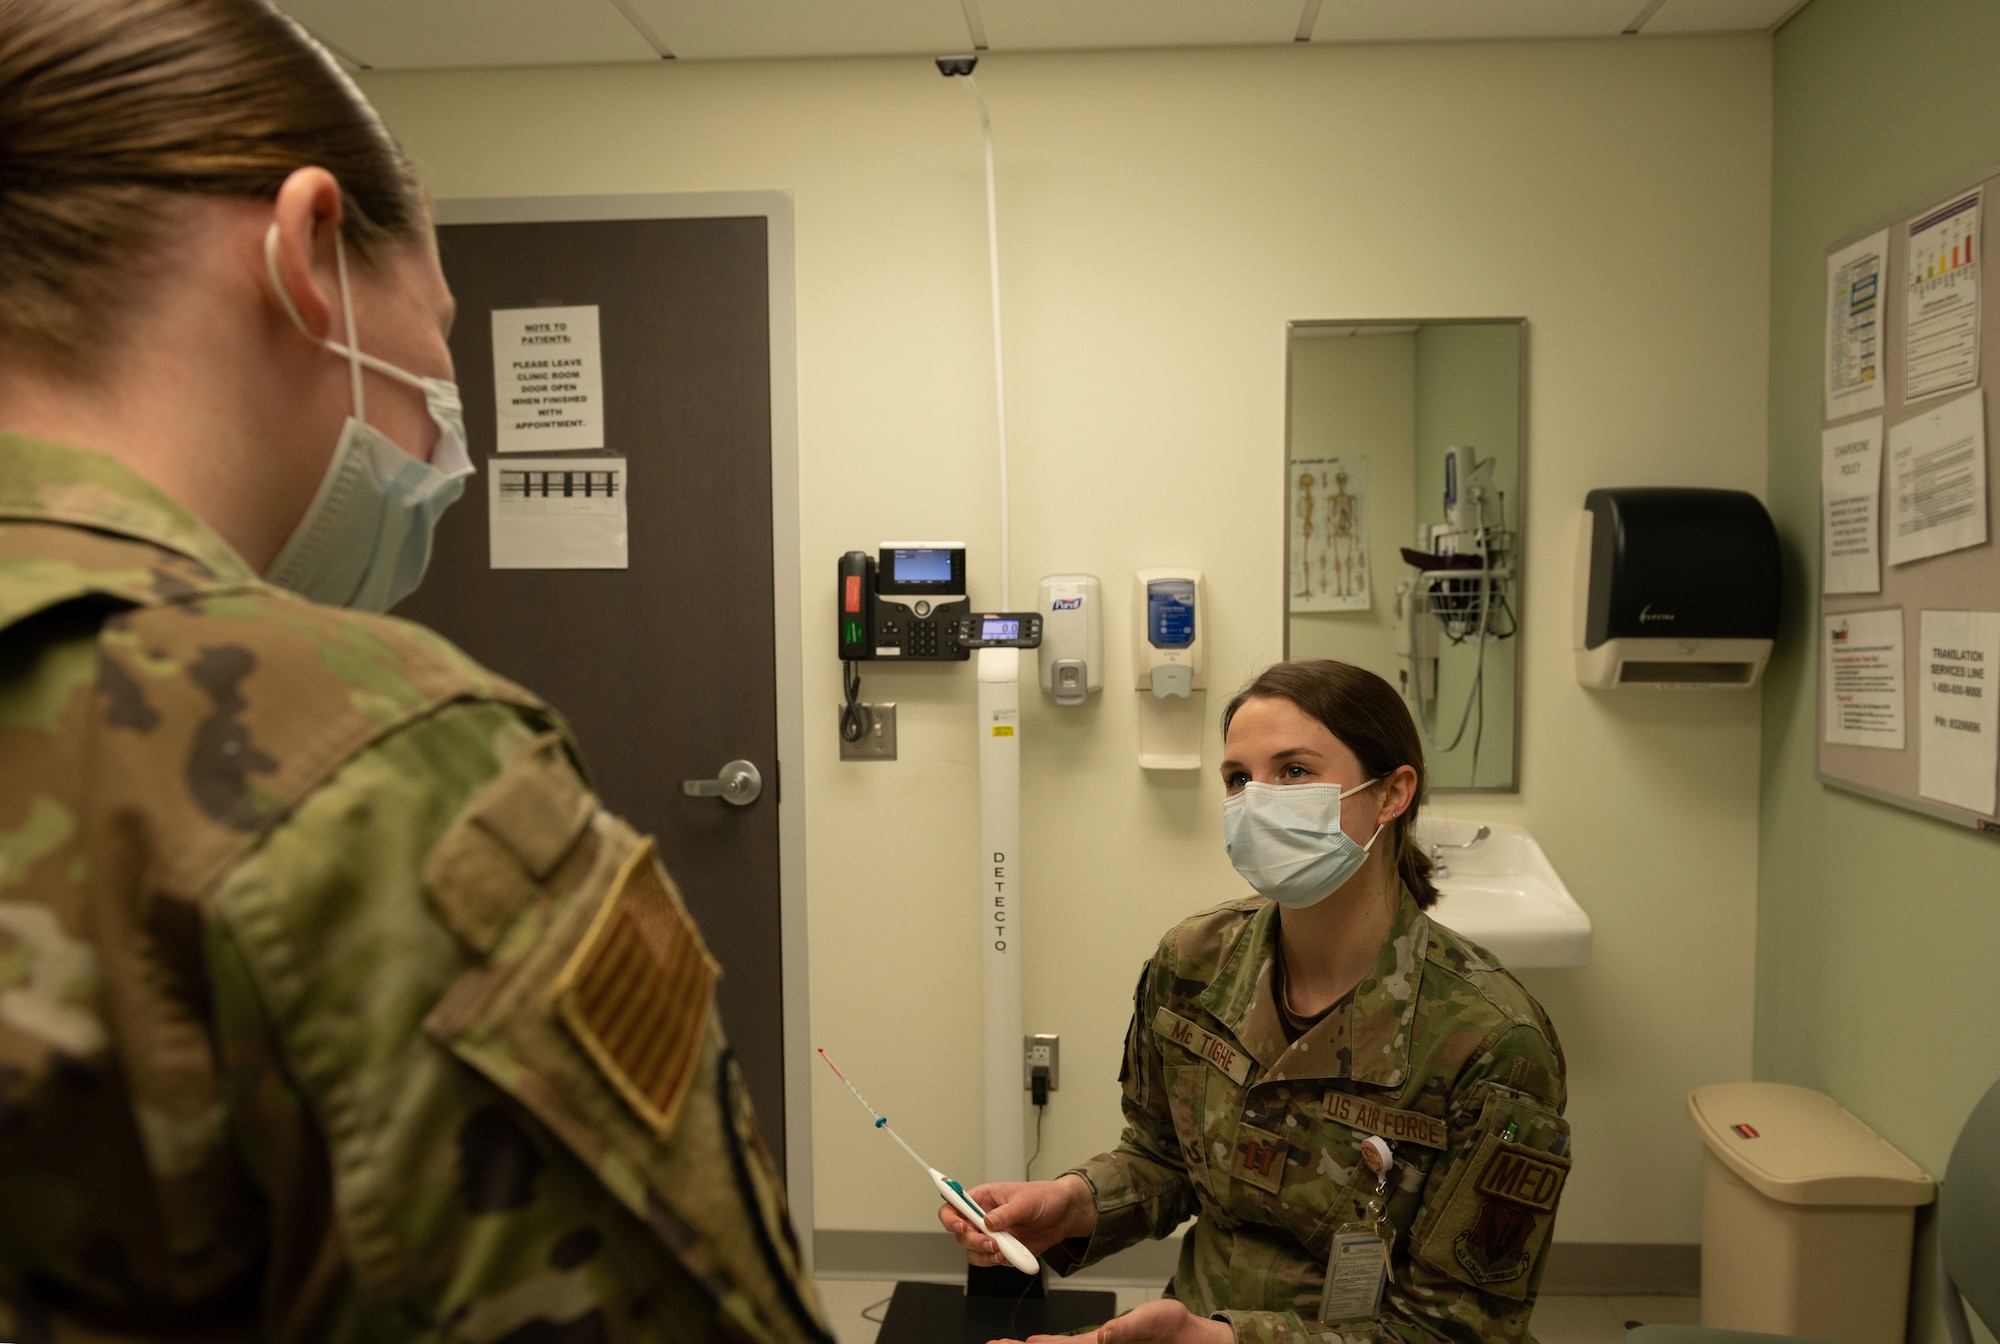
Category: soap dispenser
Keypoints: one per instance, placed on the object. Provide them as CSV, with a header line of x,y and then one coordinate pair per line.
x,y
1168,629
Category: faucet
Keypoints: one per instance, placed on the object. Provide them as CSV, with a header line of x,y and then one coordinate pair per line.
x,y
1435,849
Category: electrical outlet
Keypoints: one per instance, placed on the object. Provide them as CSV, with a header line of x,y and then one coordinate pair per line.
x,y
1043,1051
878,733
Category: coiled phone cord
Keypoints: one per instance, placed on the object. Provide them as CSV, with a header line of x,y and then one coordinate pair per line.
x,y
853,718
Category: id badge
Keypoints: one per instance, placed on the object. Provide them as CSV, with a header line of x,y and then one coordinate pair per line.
x,y
1355,1273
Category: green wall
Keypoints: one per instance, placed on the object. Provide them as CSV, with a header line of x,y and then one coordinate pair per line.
x,y
1468,390
1355,397
1877,927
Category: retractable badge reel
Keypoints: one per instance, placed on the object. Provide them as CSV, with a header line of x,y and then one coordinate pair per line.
x,y
1359,1265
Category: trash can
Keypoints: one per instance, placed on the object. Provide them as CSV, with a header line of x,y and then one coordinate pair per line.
x,y
1806,1216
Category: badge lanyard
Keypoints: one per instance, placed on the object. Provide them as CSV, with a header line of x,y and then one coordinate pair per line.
x,y
1359,1265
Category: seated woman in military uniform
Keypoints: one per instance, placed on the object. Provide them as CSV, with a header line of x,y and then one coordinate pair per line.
x,y
1360,1109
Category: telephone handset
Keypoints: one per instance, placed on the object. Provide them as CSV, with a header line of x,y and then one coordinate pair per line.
x,y
904,602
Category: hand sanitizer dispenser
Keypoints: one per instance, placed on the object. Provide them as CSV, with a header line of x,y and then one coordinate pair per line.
x,y
1072,652
1168,630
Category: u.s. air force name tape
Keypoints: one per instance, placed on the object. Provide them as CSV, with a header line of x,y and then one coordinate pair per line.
x,y
1396,1126
1230,1059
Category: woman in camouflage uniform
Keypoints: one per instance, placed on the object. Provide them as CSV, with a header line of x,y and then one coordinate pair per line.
x,y
1318,1063
332,1005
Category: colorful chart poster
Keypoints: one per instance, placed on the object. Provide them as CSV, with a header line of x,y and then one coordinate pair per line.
x,y
1941,301
1854,327
1956,658
1329,551
1862,671
1851,508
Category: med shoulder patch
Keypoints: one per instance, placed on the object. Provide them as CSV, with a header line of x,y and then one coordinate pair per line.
x,y
638,990
1496,1217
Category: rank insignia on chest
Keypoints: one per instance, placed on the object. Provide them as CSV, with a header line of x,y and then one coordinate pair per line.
x,y
637,992
1259,1158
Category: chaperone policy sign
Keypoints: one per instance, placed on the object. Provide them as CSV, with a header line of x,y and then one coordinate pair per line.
x,y
548,379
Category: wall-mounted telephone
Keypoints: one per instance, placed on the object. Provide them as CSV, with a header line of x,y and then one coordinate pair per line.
x,y
905,602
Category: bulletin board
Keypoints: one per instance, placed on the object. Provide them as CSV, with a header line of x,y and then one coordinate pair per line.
x,y
1907,639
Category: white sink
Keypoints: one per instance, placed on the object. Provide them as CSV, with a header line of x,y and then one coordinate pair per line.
x,y
1503,894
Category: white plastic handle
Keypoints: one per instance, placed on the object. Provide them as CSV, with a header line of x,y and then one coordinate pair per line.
x,y
1017,1255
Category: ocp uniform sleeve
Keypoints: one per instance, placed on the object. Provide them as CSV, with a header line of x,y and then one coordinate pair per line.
x,y
1141,1187
1473,1233
414,1194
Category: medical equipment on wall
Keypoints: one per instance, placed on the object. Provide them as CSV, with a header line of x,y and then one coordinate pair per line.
x,y
1000,630
1168,628
1072,654
1674,589
908,603
1017,1255
999,637
1459,597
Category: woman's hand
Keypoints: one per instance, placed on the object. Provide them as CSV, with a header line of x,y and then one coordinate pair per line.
x,y
1162,1322
1038,1214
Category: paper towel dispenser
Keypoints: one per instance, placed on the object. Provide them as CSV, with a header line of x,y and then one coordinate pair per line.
x,y
1675,588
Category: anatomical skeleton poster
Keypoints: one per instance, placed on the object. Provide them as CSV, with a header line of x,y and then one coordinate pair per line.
x,y
1329,548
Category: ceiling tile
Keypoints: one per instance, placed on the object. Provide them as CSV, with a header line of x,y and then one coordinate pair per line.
x,y
1718,16
1448,20
426,34
1040,25
724,29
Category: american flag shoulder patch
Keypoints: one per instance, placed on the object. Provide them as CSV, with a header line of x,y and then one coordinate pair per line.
x,y
637,992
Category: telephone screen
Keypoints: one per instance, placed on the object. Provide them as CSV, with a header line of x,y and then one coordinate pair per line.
x,y
921,566
999,629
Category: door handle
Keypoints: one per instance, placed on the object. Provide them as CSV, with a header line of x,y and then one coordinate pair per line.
x,y
738,782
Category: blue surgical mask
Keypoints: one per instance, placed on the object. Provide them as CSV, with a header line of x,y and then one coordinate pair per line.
x,y
365,539
1286,840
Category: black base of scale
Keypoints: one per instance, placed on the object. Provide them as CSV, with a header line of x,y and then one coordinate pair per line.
x,y
997,1302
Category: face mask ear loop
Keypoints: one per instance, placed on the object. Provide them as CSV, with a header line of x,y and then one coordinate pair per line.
x,y
347,315
348,351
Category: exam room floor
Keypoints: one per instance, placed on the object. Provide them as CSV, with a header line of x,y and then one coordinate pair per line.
x,y
1558,1320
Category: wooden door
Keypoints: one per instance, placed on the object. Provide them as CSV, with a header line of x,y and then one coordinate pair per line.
x,y
665,669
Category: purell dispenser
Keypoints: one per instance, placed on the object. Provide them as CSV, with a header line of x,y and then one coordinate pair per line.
x,y
1675,589
1072,652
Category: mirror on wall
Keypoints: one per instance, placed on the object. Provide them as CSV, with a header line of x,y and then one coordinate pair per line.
x,y
1403,508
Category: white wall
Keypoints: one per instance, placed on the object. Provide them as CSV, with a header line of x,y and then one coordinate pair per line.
x,y
1163,216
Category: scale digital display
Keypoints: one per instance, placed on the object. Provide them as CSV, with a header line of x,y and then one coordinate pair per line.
x,y
925,566
1000,629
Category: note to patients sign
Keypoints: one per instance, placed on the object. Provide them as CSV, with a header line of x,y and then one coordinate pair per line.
x,y
548,379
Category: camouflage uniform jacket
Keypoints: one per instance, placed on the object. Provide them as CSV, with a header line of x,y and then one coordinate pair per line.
x,y
332,1005
1439,1051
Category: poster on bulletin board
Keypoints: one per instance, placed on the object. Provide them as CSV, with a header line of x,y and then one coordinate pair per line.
x,y
1909,593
